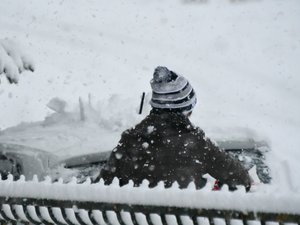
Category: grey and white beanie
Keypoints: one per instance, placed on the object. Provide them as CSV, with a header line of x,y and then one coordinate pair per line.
x,y
171,91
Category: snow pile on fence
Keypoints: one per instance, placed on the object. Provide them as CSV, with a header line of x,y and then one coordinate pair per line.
x,y
267,199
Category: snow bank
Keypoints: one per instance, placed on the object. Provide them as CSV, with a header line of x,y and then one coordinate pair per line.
x,y
64,133
88,127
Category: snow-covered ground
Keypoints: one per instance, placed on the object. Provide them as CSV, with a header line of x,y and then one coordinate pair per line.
x,y
241,57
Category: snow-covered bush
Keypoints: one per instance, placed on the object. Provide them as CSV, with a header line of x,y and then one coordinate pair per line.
x,y
13,60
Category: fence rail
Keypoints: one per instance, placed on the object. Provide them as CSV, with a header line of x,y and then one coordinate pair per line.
x,y
47,211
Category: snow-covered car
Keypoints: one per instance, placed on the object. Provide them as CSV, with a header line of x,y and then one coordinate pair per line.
x,y
249,152
23,160
65,145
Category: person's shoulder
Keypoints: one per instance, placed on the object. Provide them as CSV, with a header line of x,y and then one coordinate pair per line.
x,y
141,127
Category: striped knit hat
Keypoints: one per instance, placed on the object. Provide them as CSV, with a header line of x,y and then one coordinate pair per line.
x,y
171,91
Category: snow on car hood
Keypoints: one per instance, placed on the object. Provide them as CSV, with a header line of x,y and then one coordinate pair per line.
x,y
66,134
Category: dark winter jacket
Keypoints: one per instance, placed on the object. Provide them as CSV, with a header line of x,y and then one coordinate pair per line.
x,y
166,147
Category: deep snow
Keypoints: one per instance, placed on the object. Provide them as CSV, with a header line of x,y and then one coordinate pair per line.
x,y
241,58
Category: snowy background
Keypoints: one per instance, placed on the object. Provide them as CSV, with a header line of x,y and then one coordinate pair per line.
x,y
241,57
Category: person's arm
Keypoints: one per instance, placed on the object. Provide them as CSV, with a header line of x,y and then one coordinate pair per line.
x,y
226,169
114,166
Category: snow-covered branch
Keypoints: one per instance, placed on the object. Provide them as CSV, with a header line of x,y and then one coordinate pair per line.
x,y
13,60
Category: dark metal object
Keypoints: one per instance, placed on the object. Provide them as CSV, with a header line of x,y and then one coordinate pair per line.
x,y
52,216
142,103
91,216
134,221
134,210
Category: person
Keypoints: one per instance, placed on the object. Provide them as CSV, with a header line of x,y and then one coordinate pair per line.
x,y
167,147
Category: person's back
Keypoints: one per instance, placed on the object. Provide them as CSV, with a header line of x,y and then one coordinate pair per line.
x,y
157,149
166,147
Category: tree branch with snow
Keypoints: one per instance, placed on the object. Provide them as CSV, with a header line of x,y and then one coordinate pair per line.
x,y
13,60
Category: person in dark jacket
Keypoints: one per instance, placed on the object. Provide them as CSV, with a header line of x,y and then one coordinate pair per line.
x,y
167,147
